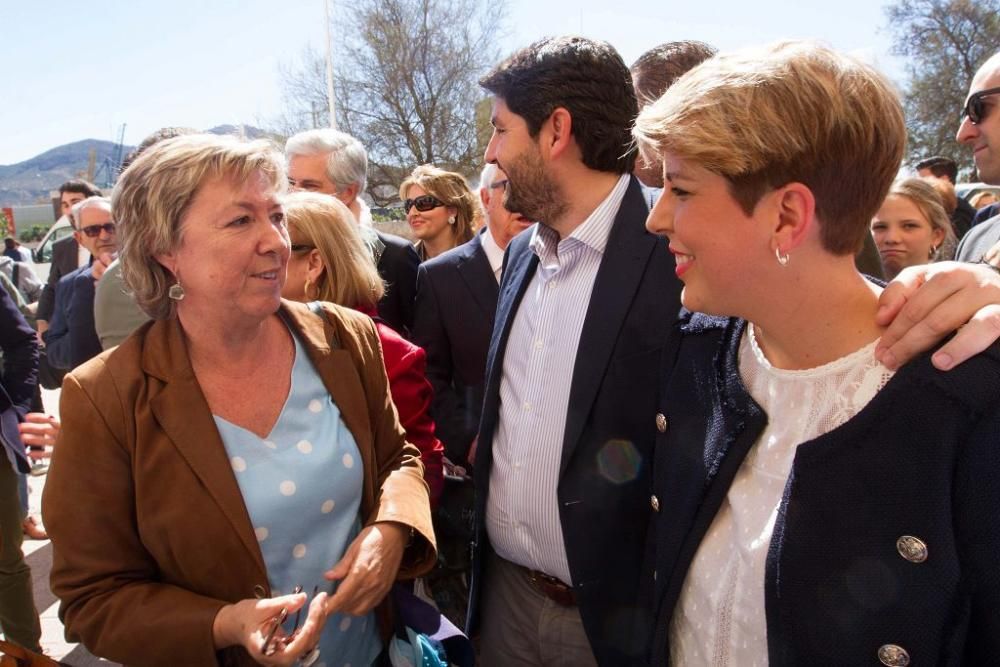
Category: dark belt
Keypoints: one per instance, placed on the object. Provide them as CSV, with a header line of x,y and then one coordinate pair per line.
x,y
552,588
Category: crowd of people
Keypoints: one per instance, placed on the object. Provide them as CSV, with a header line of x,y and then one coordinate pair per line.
x,y
642,396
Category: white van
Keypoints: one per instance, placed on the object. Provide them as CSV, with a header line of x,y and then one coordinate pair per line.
x,y
42,254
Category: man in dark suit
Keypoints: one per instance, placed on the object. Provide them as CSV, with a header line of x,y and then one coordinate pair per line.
x,y
335,163
66,253
72,337
18,616
456,302
568,422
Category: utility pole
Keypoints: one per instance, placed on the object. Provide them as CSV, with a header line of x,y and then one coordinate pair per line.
x,y
329,67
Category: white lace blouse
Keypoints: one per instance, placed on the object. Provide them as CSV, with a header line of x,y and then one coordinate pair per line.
x,y
720,616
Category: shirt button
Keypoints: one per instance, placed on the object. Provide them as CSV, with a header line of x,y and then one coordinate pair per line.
x,y
891,655
912,548
552,284
527,406
654,502
538,344
661,422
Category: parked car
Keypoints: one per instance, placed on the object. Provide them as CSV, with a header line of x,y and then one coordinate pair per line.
x,y
42,254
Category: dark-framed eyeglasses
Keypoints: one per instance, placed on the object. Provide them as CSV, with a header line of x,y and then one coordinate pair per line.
x,y
975,107
423,203
501,185
93,231
302,247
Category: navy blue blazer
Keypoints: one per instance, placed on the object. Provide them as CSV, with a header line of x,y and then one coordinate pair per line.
x,y
71,338
921,460
456,304
18,380
603,490
65,260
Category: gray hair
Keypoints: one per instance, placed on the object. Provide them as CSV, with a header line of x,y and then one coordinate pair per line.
x,y
348,162
488,174
81,206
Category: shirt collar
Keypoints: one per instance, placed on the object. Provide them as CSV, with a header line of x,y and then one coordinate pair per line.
x,y
592,232
494,253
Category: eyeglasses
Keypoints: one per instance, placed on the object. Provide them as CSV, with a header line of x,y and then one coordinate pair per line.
x,y
501,185
93,231
302,247
423,203
975,108
270,646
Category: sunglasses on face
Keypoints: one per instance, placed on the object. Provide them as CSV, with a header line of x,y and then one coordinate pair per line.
x,y
501,185
423,203
93,231
975,107
301,247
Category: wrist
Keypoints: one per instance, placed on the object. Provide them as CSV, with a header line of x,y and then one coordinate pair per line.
x,y
222,627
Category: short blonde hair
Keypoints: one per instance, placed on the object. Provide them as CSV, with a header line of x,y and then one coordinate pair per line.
x,y
154,193
792,112
350,277
452,189
927,198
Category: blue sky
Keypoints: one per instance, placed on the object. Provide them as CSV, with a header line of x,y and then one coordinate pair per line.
x,y
75,71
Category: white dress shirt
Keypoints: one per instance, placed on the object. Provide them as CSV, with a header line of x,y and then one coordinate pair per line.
x,y
522,512
720,617
494,253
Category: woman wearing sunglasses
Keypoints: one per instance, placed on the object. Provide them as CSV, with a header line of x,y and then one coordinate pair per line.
x,y
440,208
232,485
330,262
810,506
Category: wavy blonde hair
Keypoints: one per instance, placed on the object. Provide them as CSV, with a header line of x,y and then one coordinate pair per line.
x,y
451,188
153,195
350,277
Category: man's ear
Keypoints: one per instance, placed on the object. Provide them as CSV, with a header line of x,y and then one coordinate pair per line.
x,y
349,193
484,197
795,215
558,136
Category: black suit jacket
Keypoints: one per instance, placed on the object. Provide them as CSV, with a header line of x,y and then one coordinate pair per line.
x,y
398,267
603,489
18,380
65,259
456,304
71,338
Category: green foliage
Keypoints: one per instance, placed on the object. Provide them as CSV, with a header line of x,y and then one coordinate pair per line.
x,y
945,41
35,233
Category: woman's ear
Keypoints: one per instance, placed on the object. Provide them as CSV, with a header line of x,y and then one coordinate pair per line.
x,y
937,237
795,208
168,261
314,268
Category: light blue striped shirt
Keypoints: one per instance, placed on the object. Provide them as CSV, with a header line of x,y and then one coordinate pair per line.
x,y
522,512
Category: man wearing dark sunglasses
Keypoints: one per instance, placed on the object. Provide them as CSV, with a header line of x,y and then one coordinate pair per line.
x,y
980,131
72,337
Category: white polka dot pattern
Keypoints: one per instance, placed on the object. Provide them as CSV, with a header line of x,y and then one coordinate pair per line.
x,y
287,488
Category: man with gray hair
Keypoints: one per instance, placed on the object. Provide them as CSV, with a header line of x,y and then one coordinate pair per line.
x,y
336,164
71,338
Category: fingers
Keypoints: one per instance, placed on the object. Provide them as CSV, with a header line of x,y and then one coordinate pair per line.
x,y
896,294
949,295
308,635
981,331
39,429
992,255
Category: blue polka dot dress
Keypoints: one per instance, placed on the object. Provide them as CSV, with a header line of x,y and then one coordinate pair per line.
x,y
302,488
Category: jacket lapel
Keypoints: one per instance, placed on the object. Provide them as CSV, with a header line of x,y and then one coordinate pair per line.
x,y
626,255
182,411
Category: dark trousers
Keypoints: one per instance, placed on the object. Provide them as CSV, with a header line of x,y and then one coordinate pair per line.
x,y
18,616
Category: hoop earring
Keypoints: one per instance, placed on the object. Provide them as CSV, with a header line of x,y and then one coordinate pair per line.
x,y
451,220
307,287
782,259
176,292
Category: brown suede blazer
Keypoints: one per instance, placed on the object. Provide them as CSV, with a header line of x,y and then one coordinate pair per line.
x,y
151,536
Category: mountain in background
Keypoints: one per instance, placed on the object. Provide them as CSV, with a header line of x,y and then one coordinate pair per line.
x,y
31,181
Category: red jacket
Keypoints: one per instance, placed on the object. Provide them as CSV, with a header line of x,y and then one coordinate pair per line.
x,y
406,364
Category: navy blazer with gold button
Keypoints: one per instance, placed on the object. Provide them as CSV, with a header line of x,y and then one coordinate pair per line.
x,y
921,460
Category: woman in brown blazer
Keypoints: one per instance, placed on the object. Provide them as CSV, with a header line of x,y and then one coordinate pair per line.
x,y
160,554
